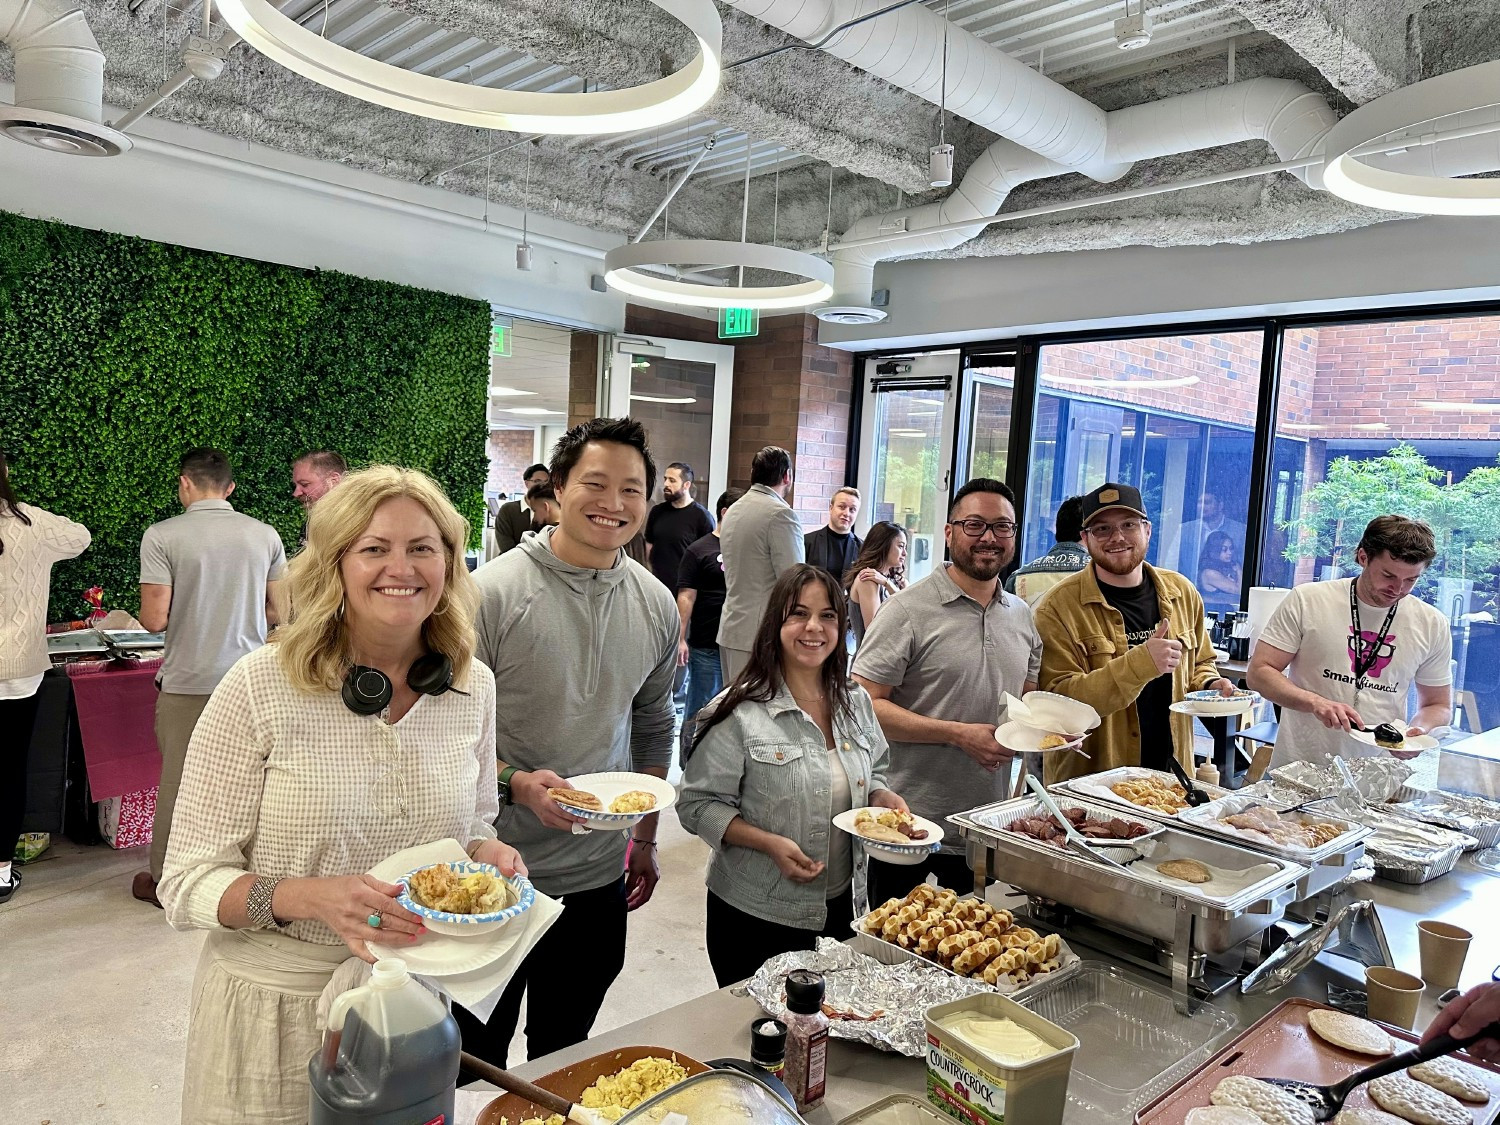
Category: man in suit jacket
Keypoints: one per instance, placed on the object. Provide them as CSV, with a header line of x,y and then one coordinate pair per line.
x,y
760,537
834,547
513,520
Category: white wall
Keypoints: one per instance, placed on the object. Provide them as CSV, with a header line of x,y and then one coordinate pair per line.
x,y
1417,261
187,186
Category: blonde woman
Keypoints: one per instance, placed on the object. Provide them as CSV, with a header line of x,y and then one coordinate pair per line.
x,y
365,727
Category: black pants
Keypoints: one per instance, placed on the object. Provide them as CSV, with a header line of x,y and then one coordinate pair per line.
x,y
740,943
893,880
571,968
17,717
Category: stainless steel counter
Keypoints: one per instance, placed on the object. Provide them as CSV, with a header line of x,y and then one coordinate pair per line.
x,y
717,1024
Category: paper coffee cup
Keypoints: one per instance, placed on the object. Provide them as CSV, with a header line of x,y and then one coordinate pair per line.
x,y
1443,948
1393,995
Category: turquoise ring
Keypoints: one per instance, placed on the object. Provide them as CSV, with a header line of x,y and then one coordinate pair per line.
x,y
374,920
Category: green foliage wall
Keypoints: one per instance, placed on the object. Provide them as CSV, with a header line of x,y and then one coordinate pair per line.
x,y
118,354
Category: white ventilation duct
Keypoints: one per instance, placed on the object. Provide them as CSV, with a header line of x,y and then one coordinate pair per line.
x,y
1283,113
984,84
59,81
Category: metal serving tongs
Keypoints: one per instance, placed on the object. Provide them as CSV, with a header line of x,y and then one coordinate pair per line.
x,y
1093,849
1326,1101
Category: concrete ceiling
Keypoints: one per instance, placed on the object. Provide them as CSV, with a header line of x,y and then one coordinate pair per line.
x,y
827,143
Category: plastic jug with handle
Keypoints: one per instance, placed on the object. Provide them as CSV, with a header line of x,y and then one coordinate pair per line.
x,y
389,1056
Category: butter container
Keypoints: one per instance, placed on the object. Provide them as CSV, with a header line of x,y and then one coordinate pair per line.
x,y
974,1087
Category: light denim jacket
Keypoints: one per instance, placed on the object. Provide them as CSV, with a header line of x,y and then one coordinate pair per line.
x,y
768,763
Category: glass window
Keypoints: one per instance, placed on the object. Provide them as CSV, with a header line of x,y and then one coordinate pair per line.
x,y
1172,415
1403,417
674,400
908,469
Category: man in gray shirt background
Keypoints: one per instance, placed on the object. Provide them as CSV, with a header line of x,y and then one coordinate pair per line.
x,y
583,644
208,578
937,661
760,538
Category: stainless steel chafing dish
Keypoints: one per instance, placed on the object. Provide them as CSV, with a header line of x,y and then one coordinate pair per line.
x,y
1184,928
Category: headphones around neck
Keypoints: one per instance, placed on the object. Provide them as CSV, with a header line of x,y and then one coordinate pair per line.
x,y
367,691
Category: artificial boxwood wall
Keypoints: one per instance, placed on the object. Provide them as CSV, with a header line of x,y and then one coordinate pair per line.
x,y
118,354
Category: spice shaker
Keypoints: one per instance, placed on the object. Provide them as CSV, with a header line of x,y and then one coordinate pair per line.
x,y
768,1046
806,1038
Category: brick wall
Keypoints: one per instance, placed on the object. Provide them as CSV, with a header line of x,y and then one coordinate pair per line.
x,y
583,377
510,453
788,391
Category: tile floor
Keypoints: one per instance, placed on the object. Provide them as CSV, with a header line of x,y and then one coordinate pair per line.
x,y
94,985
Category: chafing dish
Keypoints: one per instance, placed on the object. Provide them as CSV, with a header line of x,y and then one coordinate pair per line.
x,y
1331,863
1181,926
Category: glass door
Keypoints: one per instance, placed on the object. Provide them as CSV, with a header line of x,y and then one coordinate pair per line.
x,y
680,391
906,450
984,421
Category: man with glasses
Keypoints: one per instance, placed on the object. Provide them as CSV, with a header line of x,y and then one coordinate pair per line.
x,y
937,661
1126,638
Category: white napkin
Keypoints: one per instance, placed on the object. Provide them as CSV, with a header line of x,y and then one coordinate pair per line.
x,y
479,989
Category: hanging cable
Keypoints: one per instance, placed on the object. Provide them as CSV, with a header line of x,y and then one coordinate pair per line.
x,y
776,205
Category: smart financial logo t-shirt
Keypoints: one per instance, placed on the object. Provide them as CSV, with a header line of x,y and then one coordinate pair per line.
x,y
1313,623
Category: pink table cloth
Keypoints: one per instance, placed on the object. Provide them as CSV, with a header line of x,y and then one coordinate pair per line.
x,y
116,703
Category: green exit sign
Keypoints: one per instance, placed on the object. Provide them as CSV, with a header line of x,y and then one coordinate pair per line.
x,y
500,339
738,322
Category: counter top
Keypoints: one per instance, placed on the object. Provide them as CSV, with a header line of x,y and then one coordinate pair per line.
x,y
717,1024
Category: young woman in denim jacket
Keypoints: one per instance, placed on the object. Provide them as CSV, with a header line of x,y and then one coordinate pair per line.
x,y
791,743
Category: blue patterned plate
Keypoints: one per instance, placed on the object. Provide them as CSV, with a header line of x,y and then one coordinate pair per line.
x,y
460,925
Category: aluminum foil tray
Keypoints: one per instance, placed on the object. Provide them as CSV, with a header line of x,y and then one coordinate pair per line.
x,y
1096,787
1473,816
1000,816
861,986
1206,818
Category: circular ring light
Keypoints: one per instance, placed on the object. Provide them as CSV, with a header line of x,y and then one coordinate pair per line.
x,y
1406,111
668,99
621,272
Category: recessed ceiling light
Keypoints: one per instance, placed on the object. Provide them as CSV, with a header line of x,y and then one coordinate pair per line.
x,y
508,392
1480,407
531,410
661,398
928,401
921,413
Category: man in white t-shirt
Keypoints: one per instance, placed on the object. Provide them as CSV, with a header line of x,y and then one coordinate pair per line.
x,y
1330,675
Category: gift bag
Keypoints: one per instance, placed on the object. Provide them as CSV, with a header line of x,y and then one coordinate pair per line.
x,y
125,822
31,845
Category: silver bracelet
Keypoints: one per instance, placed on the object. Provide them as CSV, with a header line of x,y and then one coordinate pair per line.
x,y
258,904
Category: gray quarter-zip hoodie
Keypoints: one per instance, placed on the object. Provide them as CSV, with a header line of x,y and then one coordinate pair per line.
x,y
584,662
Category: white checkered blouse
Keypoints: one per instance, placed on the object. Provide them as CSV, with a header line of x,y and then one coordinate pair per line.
x,y
285,784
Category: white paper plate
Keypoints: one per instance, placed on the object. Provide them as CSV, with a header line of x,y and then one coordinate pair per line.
x,y
443,955
608,786
915,852
1188,707
1020,737
1051,712
1413,742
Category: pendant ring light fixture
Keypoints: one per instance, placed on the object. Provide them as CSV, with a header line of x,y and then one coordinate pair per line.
x,y
1411,111
621,272
665,100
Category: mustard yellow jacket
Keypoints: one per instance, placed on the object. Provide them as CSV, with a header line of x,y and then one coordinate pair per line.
x,y
1085,656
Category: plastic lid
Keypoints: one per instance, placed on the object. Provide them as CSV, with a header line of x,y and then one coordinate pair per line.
x,y
804,991
767,1041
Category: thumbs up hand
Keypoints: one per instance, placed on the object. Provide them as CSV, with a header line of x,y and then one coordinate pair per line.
x,y
1166,653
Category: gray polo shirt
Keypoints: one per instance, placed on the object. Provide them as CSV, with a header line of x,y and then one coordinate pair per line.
x,y
217,562
948,657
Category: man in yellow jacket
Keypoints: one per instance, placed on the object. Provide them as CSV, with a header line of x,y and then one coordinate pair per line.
x,y
1127,639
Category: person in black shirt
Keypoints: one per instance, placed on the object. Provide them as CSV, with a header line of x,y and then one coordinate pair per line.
x,y
674,523
700,597
834,546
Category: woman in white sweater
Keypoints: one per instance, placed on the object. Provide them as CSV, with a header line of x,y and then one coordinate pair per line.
x,y
31,540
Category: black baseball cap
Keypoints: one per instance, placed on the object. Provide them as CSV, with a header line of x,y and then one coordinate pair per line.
x,y
1109,496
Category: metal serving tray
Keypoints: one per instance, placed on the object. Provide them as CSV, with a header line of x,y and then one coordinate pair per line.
x,y
1134,901
1096,787
1205,818
131,640
76,642
998,816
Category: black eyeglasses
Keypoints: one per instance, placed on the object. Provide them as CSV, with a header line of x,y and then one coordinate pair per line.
x,y
975,528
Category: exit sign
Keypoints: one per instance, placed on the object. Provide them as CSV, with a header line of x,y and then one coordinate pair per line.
x,y
500,335
738,322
